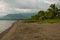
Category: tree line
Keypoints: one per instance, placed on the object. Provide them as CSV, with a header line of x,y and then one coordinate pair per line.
x,y
52,12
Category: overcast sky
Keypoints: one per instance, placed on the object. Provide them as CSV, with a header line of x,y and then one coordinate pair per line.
x,y
24,6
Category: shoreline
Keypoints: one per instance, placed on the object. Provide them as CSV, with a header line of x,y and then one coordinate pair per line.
x,y
4,24
44,28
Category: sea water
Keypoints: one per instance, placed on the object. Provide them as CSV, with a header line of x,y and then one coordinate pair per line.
x,y
5,24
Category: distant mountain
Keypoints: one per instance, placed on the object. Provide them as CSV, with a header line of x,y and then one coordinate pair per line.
x,y
18,16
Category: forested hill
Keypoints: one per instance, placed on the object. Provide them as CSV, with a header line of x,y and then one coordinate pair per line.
x,y
17,16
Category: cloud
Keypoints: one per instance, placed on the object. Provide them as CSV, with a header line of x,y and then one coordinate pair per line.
x,y
52,1
27,4
31,4
17,10
23,6
7,8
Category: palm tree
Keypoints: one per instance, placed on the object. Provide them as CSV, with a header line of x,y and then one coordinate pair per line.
x,y
52,13
53,10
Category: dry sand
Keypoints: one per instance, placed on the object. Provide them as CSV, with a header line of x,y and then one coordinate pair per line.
x,y
32,31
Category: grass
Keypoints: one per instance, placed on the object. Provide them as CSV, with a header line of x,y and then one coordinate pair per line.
x,y
50,21
42,21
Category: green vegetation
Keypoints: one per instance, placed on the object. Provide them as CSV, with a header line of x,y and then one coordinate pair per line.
x,y
52,15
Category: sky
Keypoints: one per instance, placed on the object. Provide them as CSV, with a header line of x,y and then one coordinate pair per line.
x,y
24,6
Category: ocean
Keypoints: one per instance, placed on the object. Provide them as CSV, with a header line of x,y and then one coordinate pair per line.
x,y
5,24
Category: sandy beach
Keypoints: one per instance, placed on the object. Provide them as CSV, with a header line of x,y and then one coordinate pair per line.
x,y
32,31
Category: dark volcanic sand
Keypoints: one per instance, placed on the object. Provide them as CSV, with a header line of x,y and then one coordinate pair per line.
x,y
33,31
